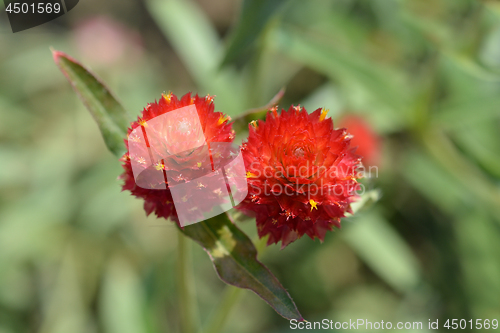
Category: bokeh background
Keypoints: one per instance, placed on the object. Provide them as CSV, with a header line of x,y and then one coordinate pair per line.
x,y
417,80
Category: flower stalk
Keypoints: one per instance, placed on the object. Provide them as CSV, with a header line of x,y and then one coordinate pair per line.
x,y
185,285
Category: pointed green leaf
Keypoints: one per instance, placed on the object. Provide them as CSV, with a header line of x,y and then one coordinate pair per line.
x,y
106,110
235,260
195,40
255,14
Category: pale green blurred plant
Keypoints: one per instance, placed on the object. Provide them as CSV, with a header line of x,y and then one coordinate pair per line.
x,y
76,255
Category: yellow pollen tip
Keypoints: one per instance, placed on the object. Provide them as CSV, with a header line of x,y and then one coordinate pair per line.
x,y
159,166
167,97
143,123
209,98
274,110
198,164
323,114
222,119
313,204
254,123
251,175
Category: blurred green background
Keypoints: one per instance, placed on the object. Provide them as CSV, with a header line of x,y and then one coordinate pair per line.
x,y
78,255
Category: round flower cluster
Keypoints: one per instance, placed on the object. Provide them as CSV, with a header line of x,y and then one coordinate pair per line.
x,y
301,174
301,171
181,154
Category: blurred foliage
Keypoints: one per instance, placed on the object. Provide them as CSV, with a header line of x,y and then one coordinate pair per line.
x,y
77,255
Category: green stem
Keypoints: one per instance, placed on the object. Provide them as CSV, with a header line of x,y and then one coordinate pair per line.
x,y
229,300
184,286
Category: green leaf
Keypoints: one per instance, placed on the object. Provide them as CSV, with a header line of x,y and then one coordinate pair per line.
x,y
367,200
195,40
384,250
111,117
381,86
255,15
235,260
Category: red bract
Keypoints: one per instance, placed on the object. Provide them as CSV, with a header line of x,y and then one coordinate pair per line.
x,y
301,174
181,151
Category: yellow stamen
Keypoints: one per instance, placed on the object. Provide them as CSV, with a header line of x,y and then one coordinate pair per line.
x,y
209,98
222,119
323,114
251,175
168,97
159,166
254,123
142,122
297,108
198,164
134,138
313,204
352,178
274,110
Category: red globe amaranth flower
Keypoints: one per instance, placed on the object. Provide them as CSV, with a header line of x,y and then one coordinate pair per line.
x,y
177,147
364,137
301,174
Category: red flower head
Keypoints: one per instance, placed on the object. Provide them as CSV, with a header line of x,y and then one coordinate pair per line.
x,y
179,136
301,174
363,137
